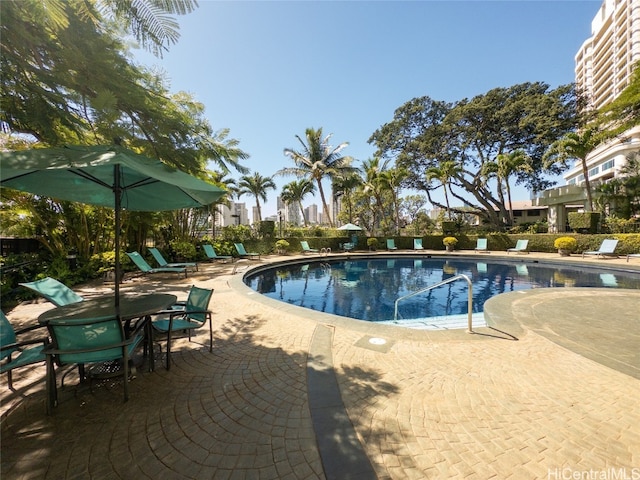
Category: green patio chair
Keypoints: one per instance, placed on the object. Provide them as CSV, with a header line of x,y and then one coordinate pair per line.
x,y
391,244
521,247
144,267
88,342
243,252
306,249
417,244
481,246
163,263
54,291
188,316
607,249
211,254
16,354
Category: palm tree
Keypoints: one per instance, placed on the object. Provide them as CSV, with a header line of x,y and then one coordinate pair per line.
x,y
149,21
372,185
294,192
506,165
444,173
344,186
392,181
256,185
575,146
318,160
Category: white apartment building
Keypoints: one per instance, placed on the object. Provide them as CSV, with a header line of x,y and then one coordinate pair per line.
x,y
234,214
604,65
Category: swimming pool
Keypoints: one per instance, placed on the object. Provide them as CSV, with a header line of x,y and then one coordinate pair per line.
x,y
367,289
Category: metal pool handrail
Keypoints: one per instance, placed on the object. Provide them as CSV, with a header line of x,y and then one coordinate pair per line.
x,y
448,280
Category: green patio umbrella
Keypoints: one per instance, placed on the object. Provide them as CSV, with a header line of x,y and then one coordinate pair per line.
x,y
104,175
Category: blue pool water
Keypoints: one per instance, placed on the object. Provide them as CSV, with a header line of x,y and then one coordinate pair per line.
x,y
366,289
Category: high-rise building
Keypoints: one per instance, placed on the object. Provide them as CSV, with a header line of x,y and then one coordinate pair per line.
x,y
606,59
311,212
604,65
234,214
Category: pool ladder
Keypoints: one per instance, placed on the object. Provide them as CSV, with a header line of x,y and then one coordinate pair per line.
x,y
435,285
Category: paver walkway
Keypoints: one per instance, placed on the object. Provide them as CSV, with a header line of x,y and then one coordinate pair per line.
x,y
422,404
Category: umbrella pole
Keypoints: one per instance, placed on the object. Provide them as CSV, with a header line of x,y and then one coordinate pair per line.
x,y
117,204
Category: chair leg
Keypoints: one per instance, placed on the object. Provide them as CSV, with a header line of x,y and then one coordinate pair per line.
x,y
210,336
52,393
125,370
10,378
169,349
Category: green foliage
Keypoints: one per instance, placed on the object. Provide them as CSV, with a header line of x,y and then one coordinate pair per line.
x,y
236,233
584,222
282,245
449,226
426,134
266,228
183,249
372,243
621,225
106,261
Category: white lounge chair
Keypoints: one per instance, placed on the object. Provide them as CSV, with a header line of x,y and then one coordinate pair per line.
x,y
606,249
417,244
481,245
521,247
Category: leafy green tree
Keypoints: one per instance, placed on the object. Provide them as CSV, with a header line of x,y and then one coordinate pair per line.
x,y
572,146
424,133
318,160
412,205
296,191
66,78
256,185
622,193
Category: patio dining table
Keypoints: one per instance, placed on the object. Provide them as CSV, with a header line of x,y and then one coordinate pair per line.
x,y
132,307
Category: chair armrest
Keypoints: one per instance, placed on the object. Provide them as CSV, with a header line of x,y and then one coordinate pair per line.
x,y
30,328
49,350
33,341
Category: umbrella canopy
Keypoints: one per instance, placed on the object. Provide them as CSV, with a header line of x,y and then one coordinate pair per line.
x,y
349,226
104,175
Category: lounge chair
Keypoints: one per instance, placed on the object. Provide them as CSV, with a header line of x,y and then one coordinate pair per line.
x,y
144,267
13,353
481,246
391,244
243,252
187,316
521,247
306,249
632,255
88,341
163,263
606,249
54,291
211,254
417,244
347,246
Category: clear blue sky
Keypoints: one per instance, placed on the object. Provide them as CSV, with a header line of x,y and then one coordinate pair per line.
x,y
268,70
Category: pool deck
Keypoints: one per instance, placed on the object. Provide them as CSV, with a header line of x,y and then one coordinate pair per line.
x,y
549,389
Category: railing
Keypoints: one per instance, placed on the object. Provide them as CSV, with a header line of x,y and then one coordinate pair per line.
x,y
448,280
